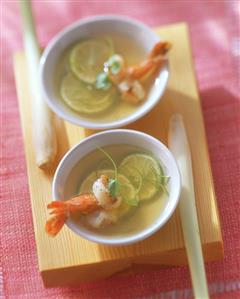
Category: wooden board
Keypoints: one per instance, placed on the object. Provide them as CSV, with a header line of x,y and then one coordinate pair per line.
x,y
69,259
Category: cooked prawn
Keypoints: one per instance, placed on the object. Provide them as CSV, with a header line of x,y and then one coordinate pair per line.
x,y
101,192
128,78
87,203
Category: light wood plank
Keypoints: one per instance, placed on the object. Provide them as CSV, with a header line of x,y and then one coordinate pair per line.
x,y
68,259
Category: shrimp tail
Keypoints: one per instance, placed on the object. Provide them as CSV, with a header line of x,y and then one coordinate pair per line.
x,y
60,213
160,48
56,204
154,60
55,224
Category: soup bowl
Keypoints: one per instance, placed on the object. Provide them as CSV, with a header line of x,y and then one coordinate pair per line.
x,y
133,30
66,182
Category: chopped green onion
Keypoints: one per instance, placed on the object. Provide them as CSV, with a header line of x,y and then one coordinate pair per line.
x,y
115,68
115,64
103,81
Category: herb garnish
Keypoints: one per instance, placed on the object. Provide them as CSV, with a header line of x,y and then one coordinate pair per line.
x,y
103,81
160,181
140,177
115,64
114,186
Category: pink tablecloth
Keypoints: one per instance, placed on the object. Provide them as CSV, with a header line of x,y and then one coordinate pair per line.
x,y
214,27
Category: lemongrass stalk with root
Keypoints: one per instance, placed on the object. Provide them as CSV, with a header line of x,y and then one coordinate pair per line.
x,y
44,136
179,146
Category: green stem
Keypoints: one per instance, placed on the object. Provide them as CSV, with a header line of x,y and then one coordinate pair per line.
x,y
110,158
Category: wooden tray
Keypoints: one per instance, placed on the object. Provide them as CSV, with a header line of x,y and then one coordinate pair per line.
x,y
69,259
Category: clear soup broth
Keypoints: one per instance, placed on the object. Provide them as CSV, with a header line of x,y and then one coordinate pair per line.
x,y
106,105
136,218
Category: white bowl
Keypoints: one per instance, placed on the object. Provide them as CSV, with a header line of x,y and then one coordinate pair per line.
x,y
66,180
132,29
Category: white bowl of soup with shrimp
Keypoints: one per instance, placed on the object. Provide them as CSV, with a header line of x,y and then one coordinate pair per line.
x,y
115,187
104,72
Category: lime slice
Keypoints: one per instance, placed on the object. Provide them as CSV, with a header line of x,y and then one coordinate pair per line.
x,y
143,171
87,58
126,190
85,98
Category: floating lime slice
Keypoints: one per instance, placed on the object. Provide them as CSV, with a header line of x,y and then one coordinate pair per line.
x,y
87,58
84,97
143,171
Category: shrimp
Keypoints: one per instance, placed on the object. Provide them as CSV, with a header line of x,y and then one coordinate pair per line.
x,y
87,203
128,79
155,59
84,203
104,217
100,190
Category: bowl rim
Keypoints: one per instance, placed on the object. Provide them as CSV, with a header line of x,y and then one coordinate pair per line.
x,y
84,122
151,229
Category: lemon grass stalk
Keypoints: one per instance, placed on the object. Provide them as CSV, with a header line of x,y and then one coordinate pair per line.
x,y
179,146
44,136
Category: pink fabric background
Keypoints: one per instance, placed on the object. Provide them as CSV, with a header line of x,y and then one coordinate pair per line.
x,y
214,28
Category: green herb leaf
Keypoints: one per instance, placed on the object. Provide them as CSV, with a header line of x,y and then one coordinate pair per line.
x,y
113,187
103,81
